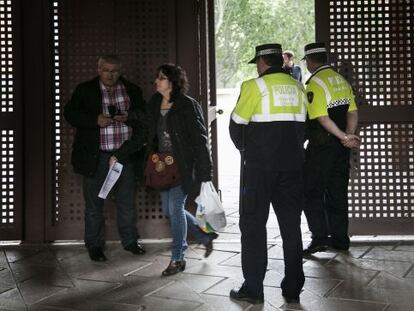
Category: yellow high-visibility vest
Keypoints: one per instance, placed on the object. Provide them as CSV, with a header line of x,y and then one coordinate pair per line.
x,y
272,97
328,89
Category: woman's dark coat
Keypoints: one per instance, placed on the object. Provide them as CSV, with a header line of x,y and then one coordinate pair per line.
x,y
189,139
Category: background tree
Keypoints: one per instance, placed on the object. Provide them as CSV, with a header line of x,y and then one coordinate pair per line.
x,y
243,24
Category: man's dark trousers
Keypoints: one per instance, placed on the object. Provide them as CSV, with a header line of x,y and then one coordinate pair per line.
x,y
326,173
124,191
285,191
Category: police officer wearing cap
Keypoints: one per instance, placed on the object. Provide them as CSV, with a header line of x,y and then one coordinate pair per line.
x,y
333,120
271,112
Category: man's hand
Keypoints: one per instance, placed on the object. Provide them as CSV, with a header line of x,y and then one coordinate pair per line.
x,y
104,121
121,117
112,160
351,141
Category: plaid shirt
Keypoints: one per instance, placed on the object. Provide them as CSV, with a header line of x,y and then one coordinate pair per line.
x,y
114,135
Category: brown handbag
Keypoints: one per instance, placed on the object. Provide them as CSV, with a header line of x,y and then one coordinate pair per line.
x,y
161,171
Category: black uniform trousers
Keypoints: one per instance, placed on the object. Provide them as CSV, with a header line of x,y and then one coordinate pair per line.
x,y
326,174
284,189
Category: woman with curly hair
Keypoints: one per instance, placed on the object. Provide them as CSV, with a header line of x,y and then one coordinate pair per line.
x,y
177,126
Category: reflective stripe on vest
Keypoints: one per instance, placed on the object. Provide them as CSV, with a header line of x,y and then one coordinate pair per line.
x,y
324,87
266,116
239,120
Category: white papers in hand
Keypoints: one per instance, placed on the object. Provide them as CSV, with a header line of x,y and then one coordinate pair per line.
x,y
113,174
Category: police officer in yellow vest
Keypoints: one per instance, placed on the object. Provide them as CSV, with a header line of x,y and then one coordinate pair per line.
x,y
332,123
271,111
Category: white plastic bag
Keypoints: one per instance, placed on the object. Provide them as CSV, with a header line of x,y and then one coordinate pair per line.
x,y
210,213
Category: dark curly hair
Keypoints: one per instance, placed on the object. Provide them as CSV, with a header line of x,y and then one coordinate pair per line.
x,y
177,76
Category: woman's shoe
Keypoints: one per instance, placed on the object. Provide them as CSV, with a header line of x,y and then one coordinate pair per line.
x,y
209,245
174,267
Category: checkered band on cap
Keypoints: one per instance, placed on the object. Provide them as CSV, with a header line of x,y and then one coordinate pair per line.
x,y
315,50
268,51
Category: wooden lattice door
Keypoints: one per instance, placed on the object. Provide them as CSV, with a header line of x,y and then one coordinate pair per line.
x,y
145,34
11,138
372,45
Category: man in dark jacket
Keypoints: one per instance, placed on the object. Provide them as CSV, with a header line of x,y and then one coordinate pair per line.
x,y
108,113
290,67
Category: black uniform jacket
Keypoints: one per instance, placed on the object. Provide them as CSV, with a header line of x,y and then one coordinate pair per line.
x,y
82,113
276,145
185,124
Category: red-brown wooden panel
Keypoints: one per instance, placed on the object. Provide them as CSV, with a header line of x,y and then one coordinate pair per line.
x,y
144,34
11,137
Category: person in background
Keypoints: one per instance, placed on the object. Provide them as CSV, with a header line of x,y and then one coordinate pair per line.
x,y
332,122
109,115
177,126
268,123
290,67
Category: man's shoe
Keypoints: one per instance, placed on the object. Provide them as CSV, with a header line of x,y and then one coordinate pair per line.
x,y
291,299
174,267
209,246
96,254
241,295
135,248
340,247
314,248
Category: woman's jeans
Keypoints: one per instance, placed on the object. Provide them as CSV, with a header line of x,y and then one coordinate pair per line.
x,y
173,206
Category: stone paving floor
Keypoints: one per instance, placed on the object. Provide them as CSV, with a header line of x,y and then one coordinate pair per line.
x,y
375,275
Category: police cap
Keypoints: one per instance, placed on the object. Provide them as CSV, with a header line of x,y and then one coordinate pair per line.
x,y
315,48
267,49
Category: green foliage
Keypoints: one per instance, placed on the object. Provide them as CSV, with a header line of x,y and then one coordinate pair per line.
x,y
243,24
